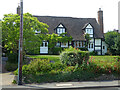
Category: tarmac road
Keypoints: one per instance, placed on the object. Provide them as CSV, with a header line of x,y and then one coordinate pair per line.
x,y
107,88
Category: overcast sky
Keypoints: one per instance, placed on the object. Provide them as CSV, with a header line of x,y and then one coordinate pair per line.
x,y
71,8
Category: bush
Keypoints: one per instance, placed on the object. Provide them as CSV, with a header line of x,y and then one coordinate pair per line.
x,y
35,51
55,51
11,66
93,53
12,57
83,49
72,56
38,66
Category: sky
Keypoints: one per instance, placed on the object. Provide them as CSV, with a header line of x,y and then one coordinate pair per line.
x,y
69,8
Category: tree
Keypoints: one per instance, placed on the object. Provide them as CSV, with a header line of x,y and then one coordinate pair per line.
x,y
55,38
11,28
117,44
112,39
87,37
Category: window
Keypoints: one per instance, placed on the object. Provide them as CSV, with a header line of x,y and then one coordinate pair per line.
x,y
89,30
92,45
45,44
60,30
76,44
103,47
82,44
89,45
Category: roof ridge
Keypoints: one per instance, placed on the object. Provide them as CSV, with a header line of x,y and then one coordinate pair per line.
x,y
62,17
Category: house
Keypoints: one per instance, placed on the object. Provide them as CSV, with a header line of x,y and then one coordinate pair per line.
x,y
77,28
118,31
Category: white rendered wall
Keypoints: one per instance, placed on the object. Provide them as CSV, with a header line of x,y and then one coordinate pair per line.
x,y
105,48
91,42
97,48
97,41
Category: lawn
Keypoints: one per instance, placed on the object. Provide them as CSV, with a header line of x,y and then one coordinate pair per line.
x,y
50,57
97,59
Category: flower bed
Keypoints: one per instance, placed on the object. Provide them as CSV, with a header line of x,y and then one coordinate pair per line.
x,y
97,68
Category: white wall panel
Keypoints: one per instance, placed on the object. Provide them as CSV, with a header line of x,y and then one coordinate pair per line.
x,y
97,41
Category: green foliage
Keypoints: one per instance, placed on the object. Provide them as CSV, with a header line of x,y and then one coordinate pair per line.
x,y
55,51
105,64
55,38
14,82
54,58
93,53
87,37
38,66
72,56
112,39
11,66
12,57
83,49
57,72
11,29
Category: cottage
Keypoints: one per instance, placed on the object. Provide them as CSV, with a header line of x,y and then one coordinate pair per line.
x,y
77,28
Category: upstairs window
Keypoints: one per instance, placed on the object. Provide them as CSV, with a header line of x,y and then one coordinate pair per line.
x,y
89,30
60,29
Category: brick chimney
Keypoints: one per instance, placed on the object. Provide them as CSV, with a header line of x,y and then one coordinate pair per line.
x,y
18,10
100,20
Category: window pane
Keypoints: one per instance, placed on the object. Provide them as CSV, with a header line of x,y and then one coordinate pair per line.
x,y
103,47
92,45
63,30
89,45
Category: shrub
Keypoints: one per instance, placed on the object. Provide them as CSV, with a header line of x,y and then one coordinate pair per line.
x,y
35,51
12,57
11,66
93,53
38,66
72,56
55,51
83,49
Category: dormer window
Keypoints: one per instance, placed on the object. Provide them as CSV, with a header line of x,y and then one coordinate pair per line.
x,y
60,29
89,30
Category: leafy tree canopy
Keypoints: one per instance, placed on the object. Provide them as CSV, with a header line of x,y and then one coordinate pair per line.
x,y
112,39
11,29
54,38
87,37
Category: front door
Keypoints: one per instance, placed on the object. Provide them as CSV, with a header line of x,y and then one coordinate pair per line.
x,y
44,47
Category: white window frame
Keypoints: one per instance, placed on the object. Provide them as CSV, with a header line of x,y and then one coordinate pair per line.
x,y
60,30
89,30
